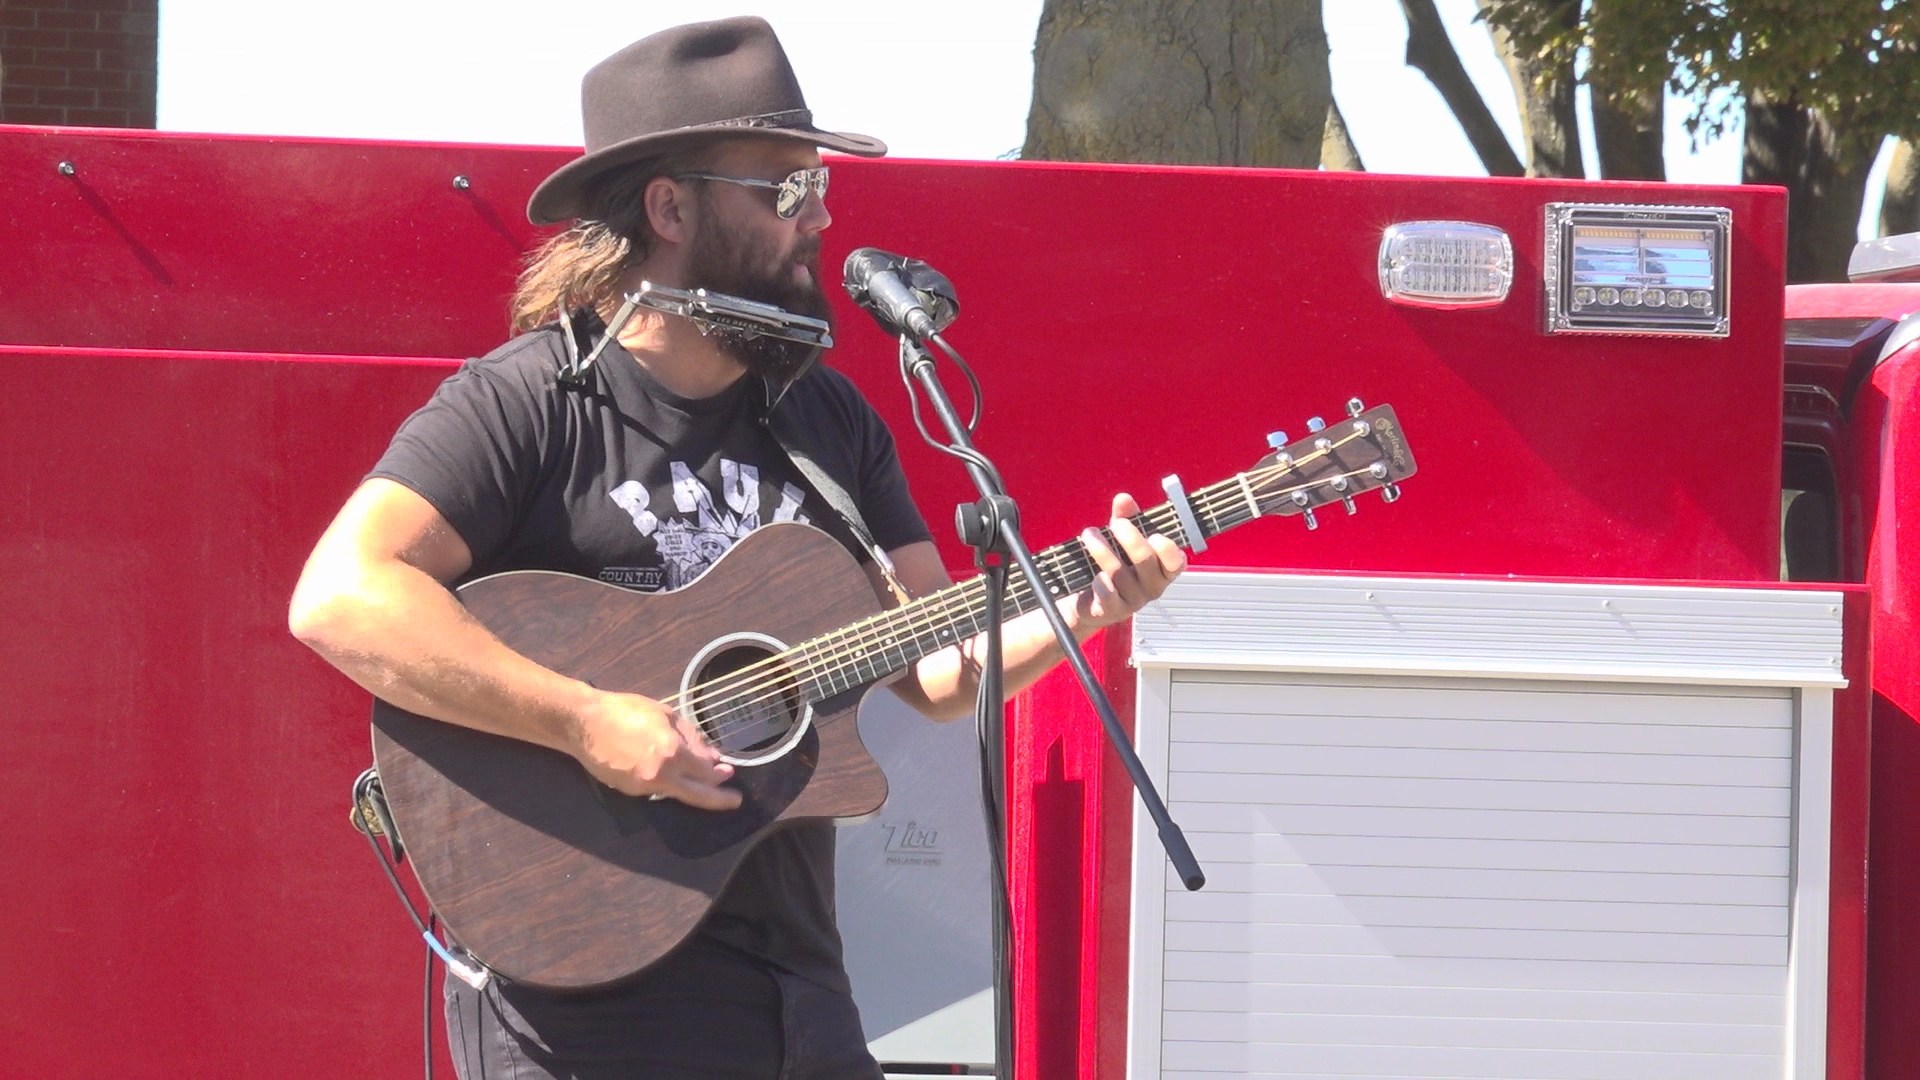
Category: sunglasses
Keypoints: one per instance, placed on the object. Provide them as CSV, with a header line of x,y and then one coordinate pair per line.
x,y
789,193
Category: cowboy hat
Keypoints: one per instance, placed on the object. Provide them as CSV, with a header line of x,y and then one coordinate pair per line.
x,y
680,87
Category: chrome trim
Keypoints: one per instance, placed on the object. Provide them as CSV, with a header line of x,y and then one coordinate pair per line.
x,y
1391,257
1886,259
1904,333
1816,391
1560,217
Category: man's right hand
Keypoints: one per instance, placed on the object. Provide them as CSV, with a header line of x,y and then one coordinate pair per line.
x,y
639,746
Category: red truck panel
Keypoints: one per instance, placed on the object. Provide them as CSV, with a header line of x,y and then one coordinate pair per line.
x,y
1887,441
178,785
1842,338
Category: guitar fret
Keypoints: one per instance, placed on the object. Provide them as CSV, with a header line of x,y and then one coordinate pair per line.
x,y
845,659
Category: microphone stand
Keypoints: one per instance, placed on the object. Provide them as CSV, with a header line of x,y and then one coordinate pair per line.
x,y
992,527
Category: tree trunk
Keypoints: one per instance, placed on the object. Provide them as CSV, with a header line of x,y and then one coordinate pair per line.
x,y
1543,87
1825,173
1431,52
1195,82
1629,116
1337,151
1628,133
1900,205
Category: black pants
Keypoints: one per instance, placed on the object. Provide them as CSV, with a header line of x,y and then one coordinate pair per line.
x,y
704,1012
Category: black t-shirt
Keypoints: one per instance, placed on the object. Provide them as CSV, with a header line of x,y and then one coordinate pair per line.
x,y
624,481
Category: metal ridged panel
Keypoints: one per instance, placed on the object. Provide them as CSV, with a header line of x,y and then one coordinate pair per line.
x,y
1278,622
1475,877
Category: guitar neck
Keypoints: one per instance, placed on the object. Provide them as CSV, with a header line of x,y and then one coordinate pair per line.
x,y
876,648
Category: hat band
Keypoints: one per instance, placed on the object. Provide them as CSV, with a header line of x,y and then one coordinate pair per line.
x,y
785,118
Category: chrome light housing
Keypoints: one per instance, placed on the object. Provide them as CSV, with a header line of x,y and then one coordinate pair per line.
x,y
1628,269
1445,264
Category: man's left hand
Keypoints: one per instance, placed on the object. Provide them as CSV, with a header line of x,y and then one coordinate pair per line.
x,y
1130,579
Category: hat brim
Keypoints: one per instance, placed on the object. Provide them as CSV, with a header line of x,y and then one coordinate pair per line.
x,y
561,196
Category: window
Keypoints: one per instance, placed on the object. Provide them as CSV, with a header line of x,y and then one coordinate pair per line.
x,y
1809,517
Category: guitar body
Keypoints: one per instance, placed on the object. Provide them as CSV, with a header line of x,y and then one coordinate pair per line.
x,y
556,880
550,877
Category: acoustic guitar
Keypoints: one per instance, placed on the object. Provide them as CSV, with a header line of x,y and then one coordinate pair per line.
x,y
552,879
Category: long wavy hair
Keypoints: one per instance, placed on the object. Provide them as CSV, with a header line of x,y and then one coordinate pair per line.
x,y
580,267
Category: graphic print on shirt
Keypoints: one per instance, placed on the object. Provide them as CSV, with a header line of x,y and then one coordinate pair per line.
x,y
699,531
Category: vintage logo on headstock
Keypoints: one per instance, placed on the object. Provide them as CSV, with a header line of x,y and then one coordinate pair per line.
x,y
1393,446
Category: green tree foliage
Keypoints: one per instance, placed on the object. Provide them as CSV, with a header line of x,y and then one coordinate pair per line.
x,y
1820,83
1856,62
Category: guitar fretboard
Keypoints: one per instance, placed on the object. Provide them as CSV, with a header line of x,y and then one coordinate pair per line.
x,y
877,647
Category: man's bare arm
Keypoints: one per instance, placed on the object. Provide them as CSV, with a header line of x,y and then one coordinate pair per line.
x,y
373,601
944,684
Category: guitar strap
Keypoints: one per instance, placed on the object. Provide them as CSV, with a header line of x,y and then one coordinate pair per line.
x,y
797,442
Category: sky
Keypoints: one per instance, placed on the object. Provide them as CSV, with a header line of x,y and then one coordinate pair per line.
x,y
935,80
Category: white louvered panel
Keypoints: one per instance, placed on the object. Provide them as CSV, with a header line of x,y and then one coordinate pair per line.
x,y
1296,1029
1470,1002
1503,764
1213,1059
1558,736
1514,884
1467,793
1479,913
1275,943
1614,979
1494,628
1317,820
1420,853
1477,879
1455,699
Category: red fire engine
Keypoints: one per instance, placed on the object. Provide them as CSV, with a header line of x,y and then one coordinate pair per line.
x,y
1592,756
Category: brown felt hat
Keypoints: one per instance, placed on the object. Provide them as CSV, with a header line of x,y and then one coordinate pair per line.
x,y
680,87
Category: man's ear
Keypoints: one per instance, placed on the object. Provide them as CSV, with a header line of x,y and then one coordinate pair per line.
x,y
669,209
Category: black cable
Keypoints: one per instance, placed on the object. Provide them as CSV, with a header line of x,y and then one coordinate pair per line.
x,y
426,1009
965,454
993,808
973,380
364,788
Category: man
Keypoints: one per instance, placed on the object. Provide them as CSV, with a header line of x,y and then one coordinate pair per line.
x,y
703,171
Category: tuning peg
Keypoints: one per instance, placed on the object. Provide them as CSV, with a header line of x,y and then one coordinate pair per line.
x,y
1315,424
1390,493
1277,439
1355,408
1347,501
1312,522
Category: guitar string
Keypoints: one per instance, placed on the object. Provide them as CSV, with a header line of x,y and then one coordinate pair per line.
x,y
940,606
781,682
1163,519
731,691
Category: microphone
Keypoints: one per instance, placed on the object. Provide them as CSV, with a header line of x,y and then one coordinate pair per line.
x,y
903,295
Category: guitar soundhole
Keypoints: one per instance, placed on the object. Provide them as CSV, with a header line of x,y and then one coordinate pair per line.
x,y
746,702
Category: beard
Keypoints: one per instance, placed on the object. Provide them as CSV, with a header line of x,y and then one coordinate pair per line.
x,y
727,260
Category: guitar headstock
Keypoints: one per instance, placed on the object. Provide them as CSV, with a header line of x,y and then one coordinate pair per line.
x,y
1363,452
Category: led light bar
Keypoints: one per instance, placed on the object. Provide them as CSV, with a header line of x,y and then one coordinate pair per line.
x,y
1445,264
1625,269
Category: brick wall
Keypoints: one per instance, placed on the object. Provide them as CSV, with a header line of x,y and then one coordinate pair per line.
x,y
88,63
